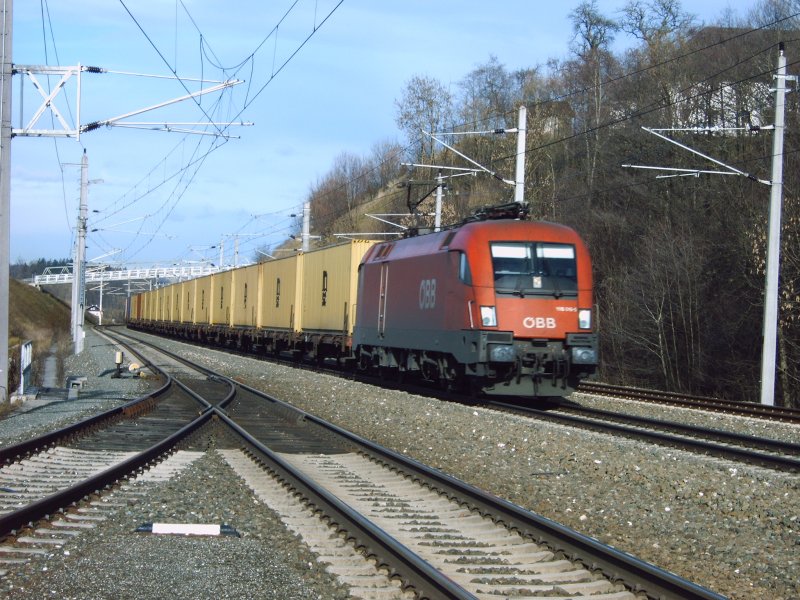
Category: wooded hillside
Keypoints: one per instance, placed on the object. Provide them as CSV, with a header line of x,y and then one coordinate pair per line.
x,y
679,262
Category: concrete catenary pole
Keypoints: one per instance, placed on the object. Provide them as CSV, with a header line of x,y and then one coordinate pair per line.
x,y
79,262
519,179
5,190
306,226
437,223
774,241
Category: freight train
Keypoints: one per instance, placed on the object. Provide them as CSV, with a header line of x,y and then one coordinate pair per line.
x,y
496,305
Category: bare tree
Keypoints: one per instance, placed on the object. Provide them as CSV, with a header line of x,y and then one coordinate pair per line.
x,y
594,33
426,105
486,96
663,26
385,163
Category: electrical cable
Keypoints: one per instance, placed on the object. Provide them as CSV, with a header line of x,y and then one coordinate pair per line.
x,y
249,100
489,118
220,131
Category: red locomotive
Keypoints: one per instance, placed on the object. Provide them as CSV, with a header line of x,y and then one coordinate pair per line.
x,y
501,305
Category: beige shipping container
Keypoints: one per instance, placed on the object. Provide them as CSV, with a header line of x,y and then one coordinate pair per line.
x,y
202,299
187,301
136,312
221,292
174,293
152,305
330,286
147,305
280,296
245,296
163,304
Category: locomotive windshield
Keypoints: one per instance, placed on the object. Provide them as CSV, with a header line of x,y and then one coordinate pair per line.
x,y
534,268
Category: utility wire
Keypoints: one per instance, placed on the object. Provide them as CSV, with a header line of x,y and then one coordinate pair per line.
x,y
172,70
47,23
613,80
494,116
247,103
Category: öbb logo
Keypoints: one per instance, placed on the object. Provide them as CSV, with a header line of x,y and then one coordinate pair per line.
x,y
427,294
539,322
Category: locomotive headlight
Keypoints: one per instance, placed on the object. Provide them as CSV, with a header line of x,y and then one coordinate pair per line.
x,y
585,318
488,316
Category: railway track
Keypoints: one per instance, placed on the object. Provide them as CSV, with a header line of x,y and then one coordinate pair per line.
x,y
759,451
41,474
431,533
747,409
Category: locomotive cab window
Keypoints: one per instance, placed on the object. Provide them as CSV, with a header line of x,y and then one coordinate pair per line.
x,y
534,268
464,274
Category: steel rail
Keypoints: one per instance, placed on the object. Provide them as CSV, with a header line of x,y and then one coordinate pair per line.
x,y
58,501
638,574
615,564
210,373
718,435
789,415
772,461
63,498
427,581
37,444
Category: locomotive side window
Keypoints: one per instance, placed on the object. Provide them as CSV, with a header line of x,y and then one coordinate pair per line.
x,y
324,288
278,293
539,268
464,273
245,295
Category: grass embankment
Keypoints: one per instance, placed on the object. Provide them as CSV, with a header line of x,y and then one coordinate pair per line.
x,y
36,316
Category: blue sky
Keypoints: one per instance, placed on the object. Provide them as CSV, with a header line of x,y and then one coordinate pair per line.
x,y
335,95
